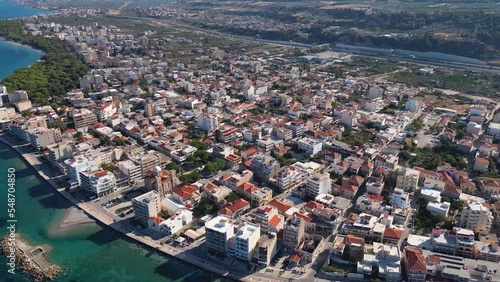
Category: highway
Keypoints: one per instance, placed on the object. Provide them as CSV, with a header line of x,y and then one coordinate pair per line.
x,y
357,50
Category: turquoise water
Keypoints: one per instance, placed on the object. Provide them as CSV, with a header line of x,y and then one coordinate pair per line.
x,y
12,56
86,253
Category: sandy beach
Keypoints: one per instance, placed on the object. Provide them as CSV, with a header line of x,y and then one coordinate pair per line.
x,y
74,217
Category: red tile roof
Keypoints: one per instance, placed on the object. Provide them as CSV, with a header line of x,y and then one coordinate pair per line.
x,y
275,221
281,205
393,233
416,260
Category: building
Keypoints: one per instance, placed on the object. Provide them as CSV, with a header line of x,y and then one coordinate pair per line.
x,y
60,151
384,257
310,146
268,219
294,230
146,205
84,118
246,239
267,248
131,170
437,208
17,96
207,122
176,222
77,165
218,231
407,179
416,267
400,198
40,138
318,184
161,181
476,216
290,178
264,167
261,197
99,183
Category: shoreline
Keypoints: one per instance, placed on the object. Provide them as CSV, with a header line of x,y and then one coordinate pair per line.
x,y
70,219
106,220
22,45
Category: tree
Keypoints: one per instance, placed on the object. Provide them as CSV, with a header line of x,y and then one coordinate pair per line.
x,y
191,177
232,197
172,166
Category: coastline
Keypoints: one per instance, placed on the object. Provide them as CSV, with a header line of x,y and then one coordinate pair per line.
x,y
103,218
73,217
22,45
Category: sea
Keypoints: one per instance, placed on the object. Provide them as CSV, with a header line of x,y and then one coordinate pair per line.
x,y
89,252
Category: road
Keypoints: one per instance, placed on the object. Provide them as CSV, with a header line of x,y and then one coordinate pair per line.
x,y
338,48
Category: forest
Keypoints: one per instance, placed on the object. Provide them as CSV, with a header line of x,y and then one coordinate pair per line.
x,y
48,80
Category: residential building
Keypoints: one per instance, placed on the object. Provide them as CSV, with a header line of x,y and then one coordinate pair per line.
x,y
407,179
264,167
40,138
175,223
131,170
310,146
60,151
294,231
416,267
208,122
267,248
437,208
218,231
476,216
246,237
400,198
146,205
99,182
84,118
290,178
318,184
261,197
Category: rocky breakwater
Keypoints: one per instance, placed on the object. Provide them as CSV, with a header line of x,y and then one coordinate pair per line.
x,y
29,259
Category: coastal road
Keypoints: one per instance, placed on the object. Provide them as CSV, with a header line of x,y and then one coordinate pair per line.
x,y
369,52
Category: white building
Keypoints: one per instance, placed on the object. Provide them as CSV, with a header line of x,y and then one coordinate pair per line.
x,y
175,223
318,184
99,183
400,198
146,205
246,240
77,165
207,122
407,179
60,151
131,170
218,231
310,146
476,216
436,208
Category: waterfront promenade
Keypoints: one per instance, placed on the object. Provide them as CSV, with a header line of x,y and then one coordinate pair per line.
x,y
126,229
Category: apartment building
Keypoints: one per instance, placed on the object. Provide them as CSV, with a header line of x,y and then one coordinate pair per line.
x,y
84,118
264,167
218,231
146,205
407,179
131,170
267,247
400,198
476,216
60,151
318,184
294,230
246,239
40,138
99,182
290,178
78,164
207,122
267,217
310,146
416,267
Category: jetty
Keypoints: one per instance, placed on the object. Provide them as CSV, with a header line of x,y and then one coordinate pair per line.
x,y
30,259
